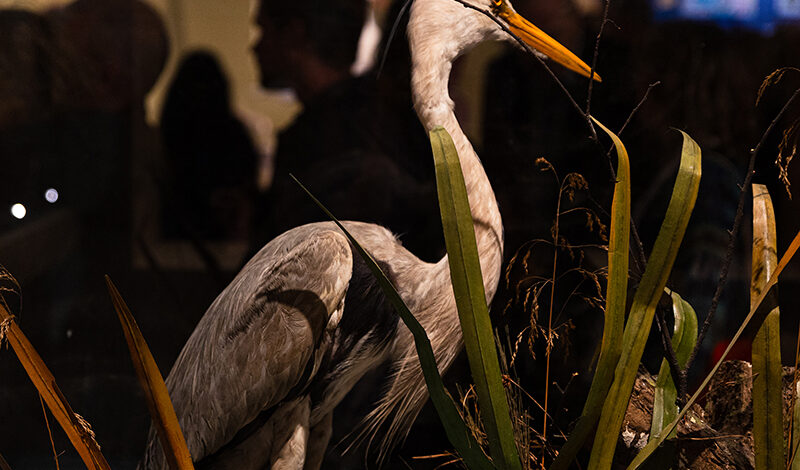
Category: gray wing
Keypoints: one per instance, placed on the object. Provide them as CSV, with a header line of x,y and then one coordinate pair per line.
x,y
261,338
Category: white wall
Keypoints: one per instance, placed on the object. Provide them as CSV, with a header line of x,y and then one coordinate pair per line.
x,y
225,29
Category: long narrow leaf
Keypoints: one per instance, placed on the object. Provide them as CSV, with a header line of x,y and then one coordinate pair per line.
x,y
644,304
75,427
768,442
457,431
155,391
465,273
651,446
794,461
616,294
683,338
665,394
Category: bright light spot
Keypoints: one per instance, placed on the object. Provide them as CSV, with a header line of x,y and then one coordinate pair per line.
x,y
51,195
18,211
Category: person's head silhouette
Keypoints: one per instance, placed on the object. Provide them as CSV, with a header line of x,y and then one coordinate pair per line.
x,y
307,46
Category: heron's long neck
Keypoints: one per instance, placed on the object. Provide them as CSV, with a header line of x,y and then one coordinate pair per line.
x,y
435,108
429,300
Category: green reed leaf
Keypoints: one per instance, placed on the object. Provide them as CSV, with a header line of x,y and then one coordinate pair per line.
x,y
465,273
651,287
616,294
651,446
457,431
768,444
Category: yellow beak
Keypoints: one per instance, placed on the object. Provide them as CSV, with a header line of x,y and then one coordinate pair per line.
x,y
541,41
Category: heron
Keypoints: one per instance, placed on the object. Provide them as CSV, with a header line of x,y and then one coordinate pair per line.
x,y
256,384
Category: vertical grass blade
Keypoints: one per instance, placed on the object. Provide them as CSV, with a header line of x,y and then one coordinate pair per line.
x,y
794,461
155,391
665,394
74,426
651,446
616,294
683,338
769,445
465,274
457,431
684,195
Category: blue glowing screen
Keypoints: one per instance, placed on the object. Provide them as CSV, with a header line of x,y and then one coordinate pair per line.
x,y
763,15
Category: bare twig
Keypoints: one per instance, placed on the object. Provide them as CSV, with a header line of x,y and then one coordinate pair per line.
x,y
639,258
49,432
587,113
639,255
594,59
639,105
526,47
732,234
669,353
549,341
533,400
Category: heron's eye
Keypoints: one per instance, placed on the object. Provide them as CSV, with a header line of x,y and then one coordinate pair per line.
x,y
497,6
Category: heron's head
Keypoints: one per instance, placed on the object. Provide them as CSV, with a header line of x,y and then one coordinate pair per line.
x,y
452,27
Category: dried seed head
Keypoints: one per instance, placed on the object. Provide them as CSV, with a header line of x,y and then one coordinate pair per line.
x,y
787,150
575,182
773,79
4,325
544,165
87,430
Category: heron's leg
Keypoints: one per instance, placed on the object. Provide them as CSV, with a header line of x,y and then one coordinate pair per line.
x,y
291,435
318,442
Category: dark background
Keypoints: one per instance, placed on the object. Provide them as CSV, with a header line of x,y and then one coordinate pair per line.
x,y
72,83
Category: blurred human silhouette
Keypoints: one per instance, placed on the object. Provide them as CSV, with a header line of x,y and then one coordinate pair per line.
x,y
109,54
73,120
106,56
357,145
210,157
25,113
24,87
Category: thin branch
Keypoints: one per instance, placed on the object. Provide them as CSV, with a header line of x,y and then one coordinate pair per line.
x,y
591,87
538,405
549,342
639,255
640,259
526,47
732,234
49,432
594,59
669,354
639,105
